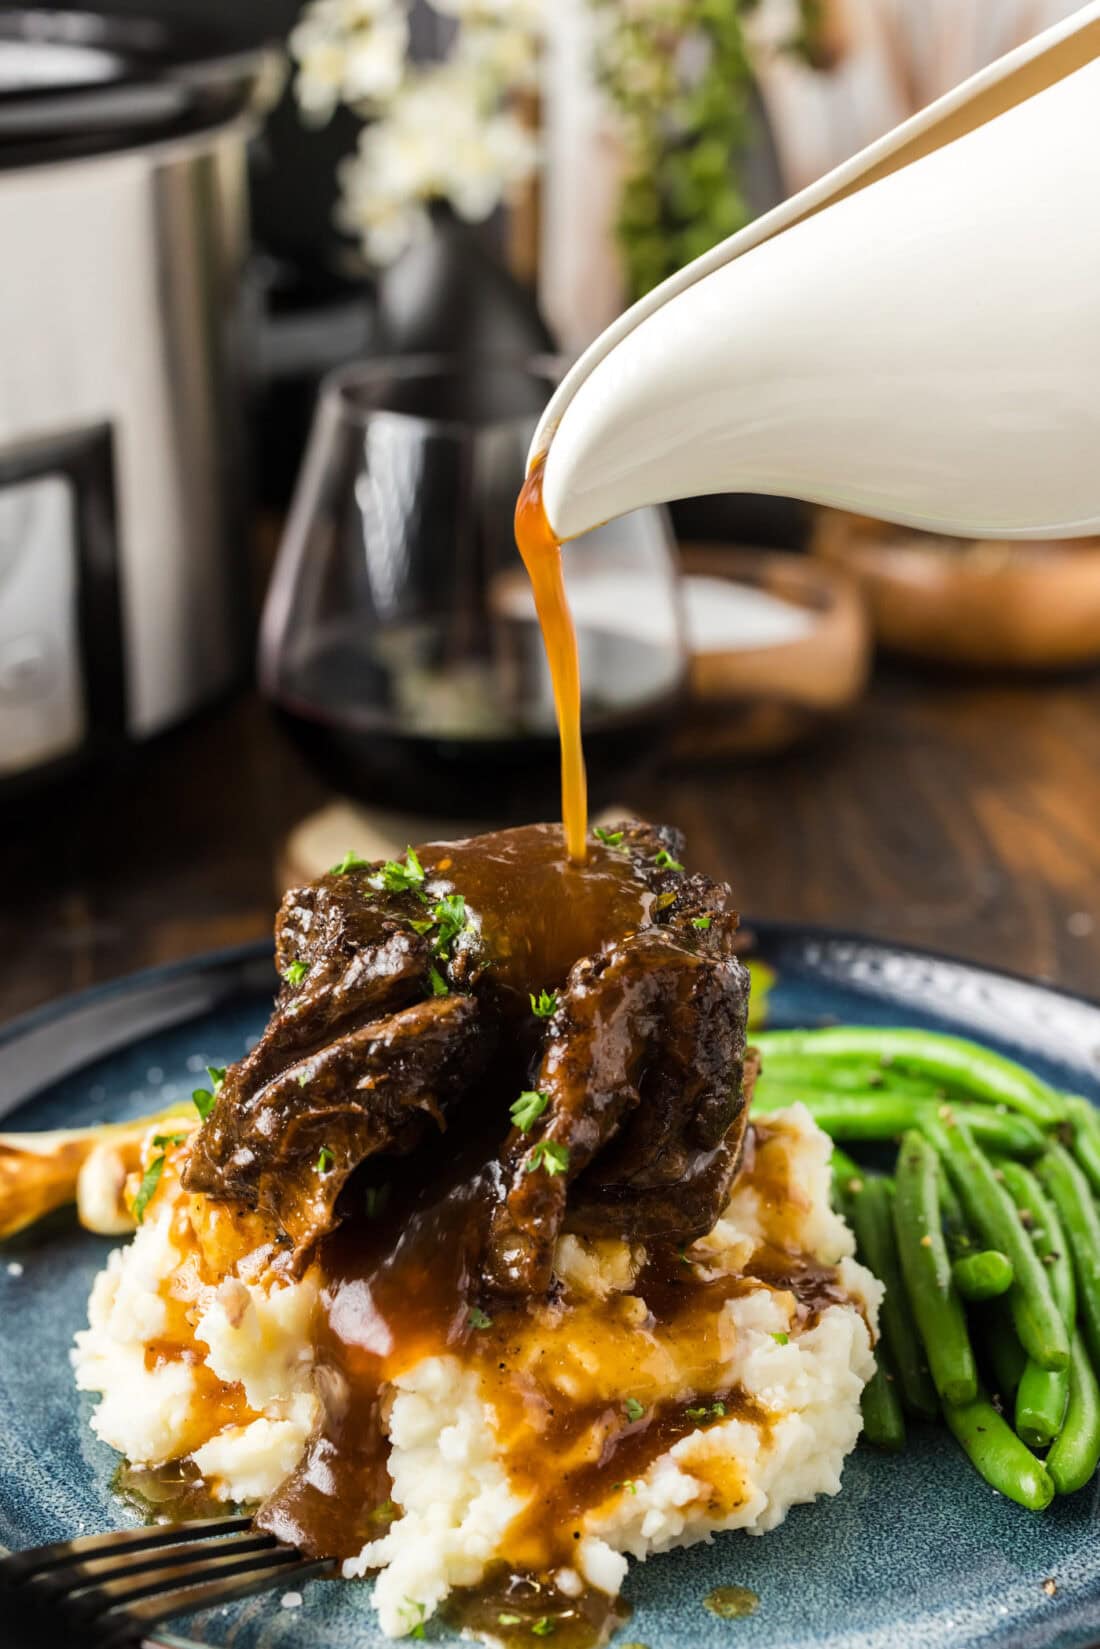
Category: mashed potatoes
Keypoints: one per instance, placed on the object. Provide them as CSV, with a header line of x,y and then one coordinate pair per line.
x,y
206,1354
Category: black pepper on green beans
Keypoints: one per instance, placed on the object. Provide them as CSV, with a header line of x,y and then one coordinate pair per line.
x,y
1042,1395
927,1271
884,1114
998,1454
993,1216
1039,1215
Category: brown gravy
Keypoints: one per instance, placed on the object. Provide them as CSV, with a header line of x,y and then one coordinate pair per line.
x,y
403,1287
513,1611
541,552
537,910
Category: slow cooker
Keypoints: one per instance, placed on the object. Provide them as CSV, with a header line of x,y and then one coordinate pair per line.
x,y
123,236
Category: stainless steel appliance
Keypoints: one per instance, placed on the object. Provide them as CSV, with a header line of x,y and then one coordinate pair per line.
x,y
123,233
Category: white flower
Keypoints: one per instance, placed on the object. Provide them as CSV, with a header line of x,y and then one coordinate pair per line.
x,y
504,58
436,142
385,225
350,51
526,14
440,131
375,63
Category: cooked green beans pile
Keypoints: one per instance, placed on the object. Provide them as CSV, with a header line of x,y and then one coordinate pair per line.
x,y
986,1237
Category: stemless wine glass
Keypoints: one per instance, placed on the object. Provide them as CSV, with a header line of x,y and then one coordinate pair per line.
x,y
399,642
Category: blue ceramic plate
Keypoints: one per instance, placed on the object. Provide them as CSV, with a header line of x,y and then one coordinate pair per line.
x,y
916,1550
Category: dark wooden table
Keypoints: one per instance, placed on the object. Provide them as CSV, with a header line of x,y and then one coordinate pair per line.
x,y
958,816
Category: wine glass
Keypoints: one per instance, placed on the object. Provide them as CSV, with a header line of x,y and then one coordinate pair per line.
x,y
399,643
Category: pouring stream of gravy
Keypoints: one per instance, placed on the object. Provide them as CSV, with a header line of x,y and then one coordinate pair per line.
x,y
541,552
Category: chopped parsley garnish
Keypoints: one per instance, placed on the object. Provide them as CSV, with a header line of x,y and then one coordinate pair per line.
x,y
418,1612
161,1141
544,1004
296,972
325,1160
554,1158
781,1339
400,878
526,1110
204,1102
509,1620
450,915
701,922
350,861
477,1318
663,900
149,1182
714,1412
609,838
204,1098
302,1078
627,1483
665,861
633,1409
543,1628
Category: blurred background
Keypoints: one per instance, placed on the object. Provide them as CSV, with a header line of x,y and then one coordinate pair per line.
x,y
283,290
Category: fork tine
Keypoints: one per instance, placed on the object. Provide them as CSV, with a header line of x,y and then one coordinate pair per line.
x,y
74,1577
21,1565
93,1600
120,1625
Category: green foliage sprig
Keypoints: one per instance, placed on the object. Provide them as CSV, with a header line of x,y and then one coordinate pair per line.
x,y
680,75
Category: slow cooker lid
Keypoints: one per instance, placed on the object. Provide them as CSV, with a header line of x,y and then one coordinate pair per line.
x,y
78,83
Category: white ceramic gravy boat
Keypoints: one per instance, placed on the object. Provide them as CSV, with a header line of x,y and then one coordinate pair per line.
x,y
915,336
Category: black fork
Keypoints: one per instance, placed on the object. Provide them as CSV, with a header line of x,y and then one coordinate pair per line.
x,y
107,1591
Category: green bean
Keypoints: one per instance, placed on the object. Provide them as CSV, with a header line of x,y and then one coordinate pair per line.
x,y
998,1454
828,1076
993,1215
1004,1350
1042,1397
1041,1400
950,1061
955,1229
884,1114
846,1173
883,1421
1068,1188
983,1275
927,1272
871,1213
1086,1137
1075,1452
1050,1242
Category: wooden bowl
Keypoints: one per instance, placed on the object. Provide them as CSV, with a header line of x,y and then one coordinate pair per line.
x,y
748,699
982,604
